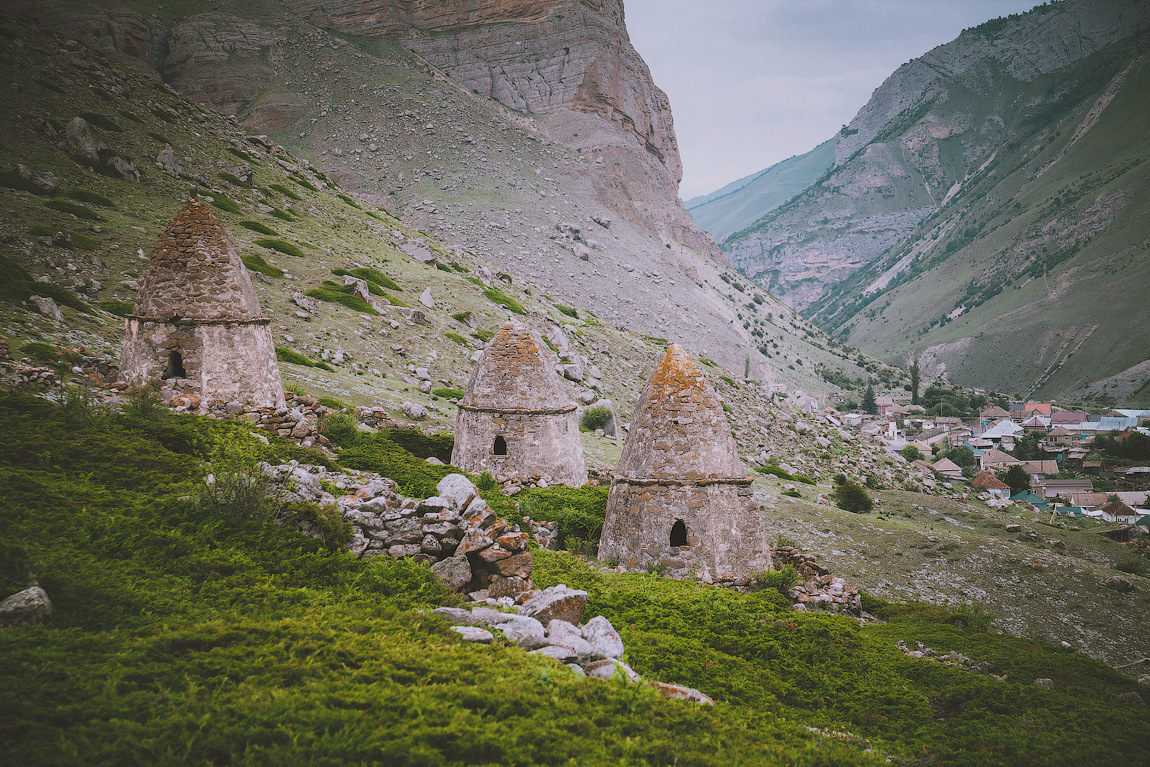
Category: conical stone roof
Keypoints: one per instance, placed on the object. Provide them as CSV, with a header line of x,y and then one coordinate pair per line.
x,y
194,273
515,374
679,430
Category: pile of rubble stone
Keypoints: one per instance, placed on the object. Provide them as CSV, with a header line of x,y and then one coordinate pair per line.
x,y
817,588
299,421
454,531
547,624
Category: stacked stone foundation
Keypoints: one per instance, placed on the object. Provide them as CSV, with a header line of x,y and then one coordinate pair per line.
x,y
227,361
725,534
536,444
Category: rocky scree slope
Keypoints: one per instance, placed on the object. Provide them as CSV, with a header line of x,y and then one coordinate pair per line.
x,y
405,313
1009,156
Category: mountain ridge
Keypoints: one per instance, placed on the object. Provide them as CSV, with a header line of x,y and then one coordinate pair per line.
x,y
914,153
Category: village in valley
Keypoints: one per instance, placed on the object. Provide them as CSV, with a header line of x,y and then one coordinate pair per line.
x,y
1063,462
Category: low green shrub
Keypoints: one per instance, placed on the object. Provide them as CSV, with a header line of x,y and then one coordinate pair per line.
x,y
256,263
457,338
852,497
781,579
303,182
283,215
159,137
343,295
595,417
71,208
295,358
233,180
285,191
448,393
334,404
17,285
256,226
281,246
349,200
101,121
380,453
371,277
13,180
578,510
118,308
483,334
341,428
424,445
463,317
40,351
792,494
83,195
497,296
570,311
225,203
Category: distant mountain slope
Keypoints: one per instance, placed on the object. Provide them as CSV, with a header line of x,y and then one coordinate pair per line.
x,y
1010,158
739,204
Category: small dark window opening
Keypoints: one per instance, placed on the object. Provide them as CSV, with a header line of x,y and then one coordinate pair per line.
x,y
175,368
678,533
500,446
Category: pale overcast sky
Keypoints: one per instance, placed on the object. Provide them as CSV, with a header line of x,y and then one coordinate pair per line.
x,y
753,82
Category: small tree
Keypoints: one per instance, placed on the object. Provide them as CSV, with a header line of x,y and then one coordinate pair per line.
x,y
962,456
915,380
852,497
1017,478
869,404
911,453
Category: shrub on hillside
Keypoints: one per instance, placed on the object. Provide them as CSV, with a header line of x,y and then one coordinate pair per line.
x,y
852,497
495,295
595,417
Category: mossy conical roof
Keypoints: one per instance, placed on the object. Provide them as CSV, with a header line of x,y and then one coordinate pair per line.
x,y
194,273
515,373
679,429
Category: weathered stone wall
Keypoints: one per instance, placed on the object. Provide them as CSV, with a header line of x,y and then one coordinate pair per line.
x,y
726,535
537,443
226,361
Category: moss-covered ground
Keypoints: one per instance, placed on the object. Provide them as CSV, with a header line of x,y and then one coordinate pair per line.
x,y
186,635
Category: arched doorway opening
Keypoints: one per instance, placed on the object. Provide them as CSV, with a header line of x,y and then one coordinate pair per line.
x,y
678,533
175,368
500,447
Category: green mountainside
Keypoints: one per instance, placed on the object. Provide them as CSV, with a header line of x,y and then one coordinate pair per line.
x,y
987,212
741,203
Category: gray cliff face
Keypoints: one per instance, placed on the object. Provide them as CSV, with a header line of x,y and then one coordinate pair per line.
x,y
934,124
1026,47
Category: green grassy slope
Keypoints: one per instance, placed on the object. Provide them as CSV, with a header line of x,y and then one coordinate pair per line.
x,y
1031,280
184,634
739,204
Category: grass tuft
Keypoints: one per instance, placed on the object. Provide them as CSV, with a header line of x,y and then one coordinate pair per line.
x,y
281,246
